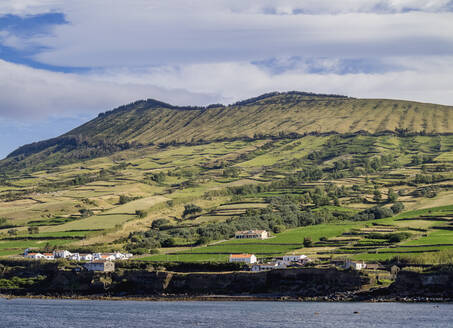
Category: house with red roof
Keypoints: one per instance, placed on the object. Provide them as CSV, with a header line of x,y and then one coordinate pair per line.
x,y
242,258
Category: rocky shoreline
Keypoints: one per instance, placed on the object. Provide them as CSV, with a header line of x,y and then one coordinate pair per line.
x,y
235,298
24,279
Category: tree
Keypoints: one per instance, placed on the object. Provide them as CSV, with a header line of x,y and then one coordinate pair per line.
x,y
278,228
397,207
169,242
12,232
190,209
308,242
377,196
124,199
159,177
392,196
48,247
140,214
231,172
33,230
84,213
159,223
336,201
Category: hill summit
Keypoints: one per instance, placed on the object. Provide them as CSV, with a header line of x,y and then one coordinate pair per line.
x,y
152,122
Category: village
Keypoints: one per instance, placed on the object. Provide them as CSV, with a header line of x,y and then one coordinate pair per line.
x,y
105,261
287,261
95,261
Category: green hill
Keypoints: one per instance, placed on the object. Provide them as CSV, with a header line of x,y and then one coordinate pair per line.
x,y
150,122
328,176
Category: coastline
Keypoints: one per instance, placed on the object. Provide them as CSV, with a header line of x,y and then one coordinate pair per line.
x,y
234,298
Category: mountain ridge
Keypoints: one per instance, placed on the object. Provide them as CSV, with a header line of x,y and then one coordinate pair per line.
x,y
152,122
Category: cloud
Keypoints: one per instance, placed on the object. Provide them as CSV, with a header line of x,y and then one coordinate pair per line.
x,y
30,93
27,7
27,93
103,33
424,79
199,52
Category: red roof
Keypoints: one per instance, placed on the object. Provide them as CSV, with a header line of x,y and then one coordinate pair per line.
x,y
240,256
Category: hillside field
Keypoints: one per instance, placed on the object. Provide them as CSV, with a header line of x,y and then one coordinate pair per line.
x,y
311,187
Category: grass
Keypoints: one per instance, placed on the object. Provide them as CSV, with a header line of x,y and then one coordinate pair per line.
x,y
15,247
206,162
186,257
262,248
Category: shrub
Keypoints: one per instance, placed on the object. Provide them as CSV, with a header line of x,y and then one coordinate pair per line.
x,y
138,251
159,223
190,209
308,242
372,213
400,236
33,230
126,199
84,213
12,232
397,207
392,196
278,228
140,214
169,242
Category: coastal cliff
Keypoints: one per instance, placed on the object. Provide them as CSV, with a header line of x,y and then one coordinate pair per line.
x,y
49,279
26,278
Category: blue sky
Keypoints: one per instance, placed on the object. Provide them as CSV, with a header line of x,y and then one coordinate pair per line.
x,y
62,62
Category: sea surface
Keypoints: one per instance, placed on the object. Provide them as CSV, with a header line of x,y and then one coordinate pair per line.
x,y
81,313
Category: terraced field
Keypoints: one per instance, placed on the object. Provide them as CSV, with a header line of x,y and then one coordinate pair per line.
x,y
253,168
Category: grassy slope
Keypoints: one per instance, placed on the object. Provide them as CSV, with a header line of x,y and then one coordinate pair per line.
x,y
147,123
288,113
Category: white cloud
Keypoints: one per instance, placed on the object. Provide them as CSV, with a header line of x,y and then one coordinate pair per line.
x,y
422,79
28,7
35,94
160,33
30,93
24,7
198,52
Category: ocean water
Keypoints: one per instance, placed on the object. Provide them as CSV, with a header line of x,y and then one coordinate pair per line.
x,y
77,313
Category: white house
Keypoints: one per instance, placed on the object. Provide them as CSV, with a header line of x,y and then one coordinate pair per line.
x,y
74,257
35,256
107,257
251,234
61,253
77,256
268,266
119,256
295,258
48,256
355,265
243,258
105,266
86,257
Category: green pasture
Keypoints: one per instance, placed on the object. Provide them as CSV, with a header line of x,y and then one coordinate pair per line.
x,y
275,246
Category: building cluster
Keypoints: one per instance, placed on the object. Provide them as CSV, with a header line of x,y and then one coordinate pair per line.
x,y
64,254
251,234
278,263
285,261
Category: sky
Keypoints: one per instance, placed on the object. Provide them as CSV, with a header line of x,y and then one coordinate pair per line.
x,y
63,61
